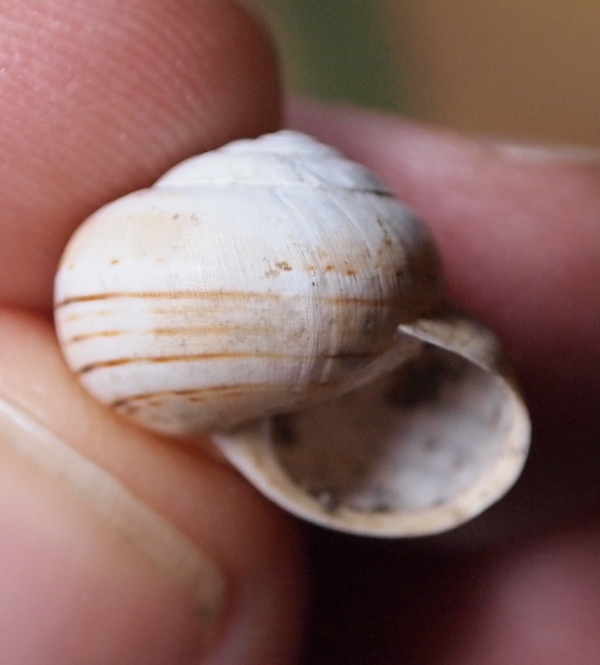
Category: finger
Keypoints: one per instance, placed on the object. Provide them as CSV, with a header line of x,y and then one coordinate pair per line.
x,y
100,98
519,233
518,230
119,547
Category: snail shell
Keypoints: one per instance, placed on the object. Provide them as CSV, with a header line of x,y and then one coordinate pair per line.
x,y
276,293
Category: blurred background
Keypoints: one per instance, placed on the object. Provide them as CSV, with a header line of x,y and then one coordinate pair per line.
x,y
522,69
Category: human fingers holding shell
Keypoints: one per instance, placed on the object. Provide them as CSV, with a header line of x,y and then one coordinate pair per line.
x,y
121,545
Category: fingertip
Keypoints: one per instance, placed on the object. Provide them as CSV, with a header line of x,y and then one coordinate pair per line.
x,y
100,98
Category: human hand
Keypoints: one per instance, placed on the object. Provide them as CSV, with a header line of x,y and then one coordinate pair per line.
x,y
519,232
99,99
115,546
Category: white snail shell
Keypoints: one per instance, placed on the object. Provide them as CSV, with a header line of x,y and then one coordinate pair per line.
x,y
268,291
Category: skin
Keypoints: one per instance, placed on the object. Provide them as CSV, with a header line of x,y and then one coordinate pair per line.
x,y
98,98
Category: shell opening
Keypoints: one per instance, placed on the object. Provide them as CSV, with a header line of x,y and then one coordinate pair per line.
x,y
420,450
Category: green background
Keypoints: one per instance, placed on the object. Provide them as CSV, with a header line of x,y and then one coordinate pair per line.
x,y
336,50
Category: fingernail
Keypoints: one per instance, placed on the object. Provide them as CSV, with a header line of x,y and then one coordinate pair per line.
x,y
168,550
548,153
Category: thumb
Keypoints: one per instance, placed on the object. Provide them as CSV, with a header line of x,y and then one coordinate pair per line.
x,y
119,547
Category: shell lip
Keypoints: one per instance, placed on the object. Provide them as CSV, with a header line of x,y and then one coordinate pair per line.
x,y
437,488
322,512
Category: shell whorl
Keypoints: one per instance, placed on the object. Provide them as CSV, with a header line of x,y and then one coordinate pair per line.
x,y
250,280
